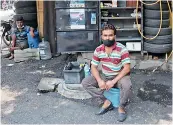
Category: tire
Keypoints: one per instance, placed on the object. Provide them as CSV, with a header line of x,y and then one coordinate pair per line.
x,y
6,38
153,31
156,23
167,39
6,35
154,48
155,14
26,16
23,4
26,10
156,6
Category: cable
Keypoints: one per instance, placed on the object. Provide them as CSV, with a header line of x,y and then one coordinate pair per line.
x,y
169,8
166,60
151,3
159,28
160,17
160,22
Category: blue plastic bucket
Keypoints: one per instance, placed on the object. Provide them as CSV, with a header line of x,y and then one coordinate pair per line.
x,y
113,95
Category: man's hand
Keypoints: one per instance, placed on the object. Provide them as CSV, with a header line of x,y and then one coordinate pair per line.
x,y
32,33
109,84
102,84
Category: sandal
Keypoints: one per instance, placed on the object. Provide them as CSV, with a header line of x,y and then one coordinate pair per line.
x,y
122,117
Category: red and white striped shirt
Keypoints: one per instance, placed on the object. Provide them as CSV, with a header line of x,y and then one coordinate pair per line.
x,y
113,63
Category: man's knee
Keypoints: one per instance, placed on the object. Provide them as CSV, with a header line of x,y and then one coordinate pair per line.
x,y
11,50
86,82
126,83
23,46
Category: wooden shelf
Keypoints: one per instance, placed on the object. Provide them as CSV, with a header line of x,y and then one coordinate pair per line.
x,y
76,8
121,39
119,8
119,18
127,29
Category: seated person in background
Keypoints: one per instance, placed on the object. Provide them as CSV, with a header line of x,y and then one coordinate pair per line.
x,y
19,36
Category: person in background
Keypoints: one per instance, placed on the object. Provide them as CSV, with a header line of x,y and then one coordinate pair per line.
x,y
19,36
115,61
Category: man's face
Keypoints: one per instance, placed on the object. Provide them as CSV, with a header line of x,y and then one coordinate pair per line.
x,y
19,24
108,35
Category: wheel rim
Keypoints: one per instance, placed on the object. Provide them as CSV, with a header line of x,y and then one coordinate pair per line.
x,y
6,39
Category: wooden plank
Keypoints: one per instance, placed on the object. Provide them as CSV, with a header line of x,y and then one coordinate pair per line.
x,y
120,8
5,49
26,58
26,54
23,55
115,18
28,50
127,29
40,20
129,39
20,59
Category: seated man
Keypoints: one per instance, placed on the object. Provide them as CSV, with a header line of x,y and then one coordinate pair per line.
x,y
19,36
115,61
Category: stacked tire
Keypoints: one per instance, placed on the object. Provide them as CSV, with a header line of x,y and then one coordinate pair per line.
x,y
28,10
163,42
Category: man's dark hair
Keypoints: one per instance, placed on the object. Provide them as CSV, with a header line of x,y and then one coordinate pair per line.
x,y
20,18
108,27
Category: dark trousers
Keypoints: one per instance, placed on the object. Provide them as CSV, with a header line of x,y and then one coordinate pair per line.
x,y
20,45
91,86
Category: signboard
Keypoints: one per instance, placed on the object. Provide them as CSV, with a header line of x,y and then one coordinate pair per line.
x,y
77,18
77,3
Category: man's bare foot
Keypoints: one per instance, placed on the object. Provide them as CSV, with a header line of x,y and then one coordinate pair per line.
x,y
106,104
11,57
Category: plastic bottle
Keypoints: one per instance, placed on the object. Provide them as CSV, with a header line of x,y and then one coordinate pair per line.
x,y
114,3
93,18
134,25
87,70
45,52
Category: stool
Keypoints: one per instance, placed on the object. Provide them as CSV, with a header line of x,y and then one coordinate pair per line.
x,y
113,95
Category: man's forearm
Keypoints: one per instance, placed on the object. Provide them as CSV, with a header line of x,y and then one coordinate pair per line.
x,y
123,73
95,73
13,40
32,32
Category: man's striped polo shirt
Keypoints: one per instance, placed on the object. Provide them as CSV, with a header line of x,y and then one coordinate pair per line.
x,y
113,63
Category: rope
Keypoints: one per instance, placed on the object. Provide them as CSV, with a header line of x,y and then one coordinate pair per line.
x,y
166,60
160,21
160,17
151,3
